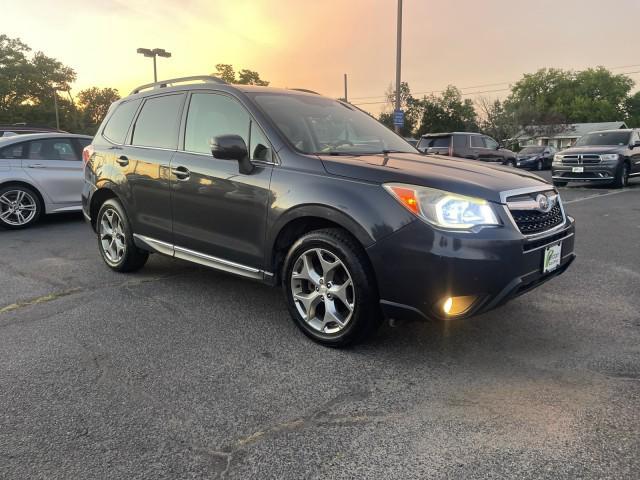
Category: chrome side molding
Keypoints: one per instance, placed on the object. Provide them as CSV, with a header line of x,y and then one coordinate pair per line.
x,y
200,258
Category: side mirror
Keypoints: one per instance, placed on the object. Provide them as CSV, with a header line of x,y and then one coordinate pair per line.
x,y
636,144
232,147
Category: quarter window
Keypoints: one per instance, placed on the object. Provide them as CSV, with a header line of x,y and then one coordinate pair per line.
x,y
119,123
259,148
211,115
157,123
52,149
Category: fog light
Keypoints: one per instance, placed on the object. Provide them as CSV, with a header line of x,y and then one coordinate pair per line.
x,y
453,306
448,303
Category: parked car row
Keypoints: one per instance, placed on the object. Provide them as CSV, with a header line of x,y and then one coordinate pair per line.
x,y
608,156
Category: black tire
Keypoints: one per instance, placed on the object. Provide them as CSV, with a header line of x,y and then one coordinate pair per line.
x,y
132,258
512,163
557,183
622,176
365,315
29,198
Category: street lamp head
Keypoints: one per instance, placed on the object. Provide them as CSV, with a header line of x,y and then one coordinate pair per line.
x,y
161,52
146,52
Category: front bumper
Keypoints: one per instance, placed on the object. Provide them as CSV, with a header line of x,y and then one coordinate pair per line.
x,y
491,266
526,162
599,172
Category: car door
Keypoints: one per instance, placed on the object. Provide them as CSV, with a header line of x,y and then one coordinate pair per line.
x,y
492,150
219,214
478,147
143,164
55,165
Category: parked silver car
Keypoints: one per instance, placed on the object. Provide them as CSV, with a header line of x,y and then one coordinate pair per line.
x,y
40,173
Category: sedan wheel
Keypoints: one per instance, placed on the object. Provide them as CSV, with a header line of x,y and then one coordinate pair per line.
x,y
323,291
19,207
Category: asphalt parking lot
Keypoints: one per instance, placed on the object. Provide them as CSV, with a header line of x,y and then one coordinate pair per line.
x,y
182,372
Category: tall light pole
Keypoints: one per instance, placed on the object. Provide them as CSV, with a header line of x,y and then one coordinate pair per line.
x,y
156,52
55,104
345,88
398,60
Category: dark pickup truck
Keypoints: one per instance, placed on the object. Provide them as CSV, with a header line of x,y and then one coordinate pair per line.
x,y
473,146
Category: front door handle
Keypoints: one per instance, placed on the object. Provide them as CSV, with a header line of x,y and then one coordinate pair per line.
x,y
123,161
36,165
181,173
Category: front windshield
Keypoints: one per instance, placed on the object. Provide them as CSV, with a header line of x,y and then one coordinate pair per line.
x,y
604,138
318,125
529,150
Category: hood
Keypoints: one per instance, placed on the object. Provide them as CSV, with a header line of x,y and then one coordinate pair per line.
x,y
593,149
464,177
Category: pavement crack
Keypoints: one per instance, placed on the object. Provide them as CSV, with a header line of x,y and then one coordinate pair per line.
x,y
37,300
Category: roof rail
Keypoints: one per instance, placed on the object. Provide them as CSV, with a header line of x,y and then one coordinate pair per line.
x,y
304,90
172,81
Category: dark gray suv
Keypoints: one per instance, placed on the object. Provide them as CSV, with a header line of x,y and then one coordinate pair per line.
x,y
608,156
294,189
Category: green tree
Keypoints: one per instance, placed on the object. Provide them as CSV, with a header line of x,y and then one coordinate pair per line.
x,y
633,110
546,101
94,104
28,83
447,112
227,73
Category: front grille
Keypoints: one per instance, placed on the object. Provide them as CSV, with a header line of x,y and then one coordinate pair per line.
x,y
531,222
585,159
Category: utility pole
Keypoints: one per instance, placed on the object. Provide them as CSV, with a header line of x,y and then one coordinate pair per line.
x,y
398,60
55,103
156,52
346,99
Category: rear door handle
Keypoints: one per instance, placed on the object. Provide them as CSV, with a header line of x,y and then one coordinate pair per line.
x,y
181,173
122,160
36,165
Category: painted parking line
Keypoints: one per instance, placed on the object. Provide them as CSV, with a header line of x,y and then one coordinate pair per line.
x,y
597,195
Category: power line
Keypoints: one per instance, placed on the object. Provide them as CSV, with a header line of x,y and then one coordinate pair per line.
x,y
478,86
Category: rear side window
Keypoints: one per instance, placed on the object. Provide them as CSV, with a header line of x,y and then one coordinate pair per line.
x,y
460,141
157,124
477,141
52,149
437,142
118,124
12,151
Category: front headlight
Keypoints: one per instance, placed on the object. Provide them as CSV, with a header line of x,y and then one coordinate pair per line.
x,y
609,157
444,209
557,158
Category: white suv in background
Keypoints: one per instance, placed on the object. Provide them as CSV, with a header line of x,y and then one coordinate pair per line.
x,y
40,173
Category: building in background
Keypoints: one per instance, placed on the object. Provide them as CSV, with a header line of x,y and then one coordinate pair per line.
x,y
566,135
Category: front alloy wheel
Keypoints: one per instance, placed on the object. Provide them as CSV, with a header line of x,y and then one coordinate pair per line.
x,y
322,289
19,207
330,288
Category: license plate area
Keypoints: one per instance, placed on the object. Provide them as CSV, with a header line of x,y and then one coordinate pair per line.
x,y
577,169
551,257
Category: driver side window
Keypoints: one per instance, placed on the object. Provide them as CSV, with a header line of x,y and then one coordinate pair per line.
x,y
211,115
491,143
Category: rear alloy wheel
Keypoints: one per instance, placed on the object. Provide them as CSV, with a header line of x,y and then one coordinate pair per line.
x,y
115,239
330,289
20,207
622,177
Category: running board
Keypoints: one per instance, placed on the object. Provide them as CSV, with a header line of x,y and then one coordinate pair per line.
x,y
199,258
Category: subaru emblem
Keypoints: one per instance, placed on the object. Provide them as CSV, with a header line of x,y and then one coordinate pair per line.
x,y
544,205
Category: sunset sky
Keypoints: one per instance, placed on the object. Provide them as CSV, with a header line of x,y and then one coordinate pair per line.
x,y
310,44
